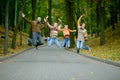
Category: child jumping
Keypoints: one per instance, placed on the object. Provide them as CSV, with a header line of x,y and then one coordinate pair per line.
x,y
53,33
66,33
81,36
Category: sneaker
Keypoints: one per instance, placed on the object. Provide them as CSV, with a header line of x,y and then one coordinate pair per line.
x,y
78,51
38,43
48,38
28,42
36,46
64,45
68,47
90,51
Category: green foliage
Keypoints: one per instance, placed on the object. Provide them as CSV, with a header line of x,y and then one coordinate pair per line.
x,y
60,34
87,7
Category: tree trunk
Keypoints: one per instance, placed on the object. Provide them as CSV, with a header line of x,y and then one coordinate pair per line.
x,y
49,14
98,18
91,16
113,13
6,27
118,10
11,18
13,46
70,19
0,14
33,9
112,17
16,3
21,37
77,16
102,24
38,4
33,15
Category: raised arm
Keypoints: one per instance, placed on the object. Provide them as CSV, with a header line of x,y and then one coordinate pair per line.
x,y
78,22
60,22
45,22
72,30
59,28
23,16
60,25
50,26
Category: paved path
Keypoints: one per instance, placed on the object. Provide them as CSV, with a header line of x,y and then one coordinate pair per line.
x,y
51,63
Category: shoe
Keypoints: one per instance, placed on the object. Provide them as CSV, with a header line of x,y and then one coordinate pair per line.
x,y
28,42
68,47
78,51
48,38
36,46
90,51
64,45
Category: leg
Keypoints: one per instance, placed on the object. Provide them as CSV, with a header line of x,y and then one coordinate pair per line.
x,y
64,42
78,46
83,47
68,42
56,42
34,38
50,41
39,38
87,48
29,42
81,44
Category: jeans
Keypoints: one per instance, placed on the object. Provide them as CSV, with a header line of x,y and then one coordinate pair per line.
x,y
66,42
36,39
80,45
52,40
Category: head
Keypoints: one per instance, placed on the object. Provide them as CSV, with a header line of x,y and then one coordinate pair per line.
x,y
55,24
66,27
83,25
38,19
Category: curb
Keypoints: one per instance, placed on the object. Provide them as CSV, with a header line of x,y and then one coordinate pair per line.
x,y
13,55
102,60
117,64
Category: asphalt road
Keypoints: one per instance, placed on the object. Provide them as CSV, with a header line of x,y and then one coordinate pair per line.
x,y
51,63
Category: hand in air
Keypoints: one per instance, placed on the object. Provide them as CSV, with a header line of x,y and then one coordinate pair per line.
x,y
23,15
59,19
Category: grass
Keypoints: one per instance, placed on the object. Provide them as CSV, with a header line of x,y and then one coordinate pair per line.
x,y
110,50
18,47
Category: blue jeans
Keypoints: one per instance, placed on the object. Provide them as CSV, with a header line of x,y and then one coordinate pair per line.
x,y
80,45
66,42
52,40
36,39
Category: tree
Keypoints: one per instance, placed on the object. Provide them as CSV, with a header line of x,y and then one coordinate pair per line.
x,y
102,22
16,3
49,14
13,46
70,19
6,27
114,12
2,11
12,12
33,2
97,17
